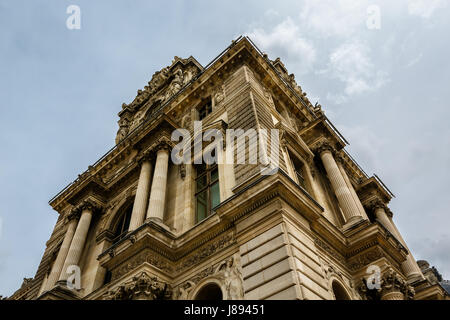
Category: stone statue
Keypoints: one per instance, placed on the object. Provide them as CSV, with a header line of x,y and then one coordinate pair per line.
x,y
185,289
233,280
123,130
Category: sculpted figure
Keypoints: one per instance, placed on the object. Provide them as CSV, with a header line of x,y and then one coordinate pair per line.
x,y
175,85
233,282
185,289
123,130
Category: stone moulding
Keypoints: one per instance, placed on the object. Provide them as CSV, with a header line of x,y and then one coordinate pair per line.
x,y
139,259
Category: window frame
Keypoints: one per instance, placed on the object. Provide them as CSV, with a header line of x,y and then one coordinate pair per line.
x,y
207,187
207,105
302,181
124,216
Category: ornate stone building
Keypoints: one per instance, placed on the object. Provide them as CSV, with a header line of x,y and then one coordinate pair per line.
x,y
141,227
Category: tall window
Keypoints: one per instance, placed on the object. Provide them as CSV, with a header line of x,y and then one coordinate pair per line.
x,y
123,224
207,192
298,170
205,108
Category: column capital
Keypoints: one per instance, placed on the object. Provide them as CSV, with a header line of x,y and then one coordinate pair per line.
x,y
74,214
88,205
163,145
379,204
145,156
393,286
324,146
339,159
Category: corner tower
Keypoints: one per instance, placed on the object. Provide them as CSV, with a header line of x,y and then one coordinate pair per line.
x,y
139,226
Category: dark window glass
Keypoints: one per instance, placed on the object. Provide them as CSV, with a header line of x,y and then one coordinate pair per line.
x,y
205,108
123,224
207,192
298,169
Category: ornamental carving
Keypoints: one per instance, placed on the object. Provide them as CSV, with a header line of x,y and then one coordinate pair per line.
x,y
162,87
87,205
365,259
206,251
290,80
391,287
233,278
74,214
328,249
124,126
324,146
138,260
219,96
227,271
141,287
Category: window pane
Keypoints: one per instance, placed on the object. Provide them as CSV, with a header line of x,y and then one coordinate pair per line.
x,y
201,182
200,168
202,113
215,195
201,206
214,175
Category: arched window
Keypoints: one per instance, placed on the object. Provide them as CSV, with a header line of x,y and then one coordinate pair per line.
x,y
211,291
122,225
339,291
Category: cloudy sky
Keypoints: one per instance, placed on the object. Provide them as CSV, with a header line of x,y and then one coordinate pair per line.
x,y
379,69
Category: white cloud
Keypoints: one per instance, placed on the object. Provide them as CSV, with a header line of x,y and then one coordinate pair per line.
x,y
286,40
334,17
365,144
435,251
414,61
425,8
351,64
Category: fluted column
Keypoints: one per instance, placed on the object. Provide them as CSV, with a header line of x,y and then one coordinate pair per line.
x,y
362,212
142,195
412,263
63,250
409,266
159,184
79,239
340,188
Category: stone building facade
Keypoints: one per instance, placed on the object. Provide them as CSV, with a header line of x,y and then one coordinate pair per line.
x,y
139,226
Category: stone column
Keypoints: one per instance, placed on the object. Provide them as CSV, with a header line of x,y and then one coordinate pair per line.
x,y
343,194
158,192
362,212
409,266
411,262
63,250
142,195
79,239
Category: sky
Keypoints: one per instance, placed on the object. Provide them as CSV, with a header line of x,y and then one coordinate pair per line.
x,y
379,69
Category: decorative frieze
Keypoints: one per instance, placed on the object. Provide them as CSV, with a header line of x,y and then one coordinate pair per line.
x,y
139,259
365,259
318,242
206,251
